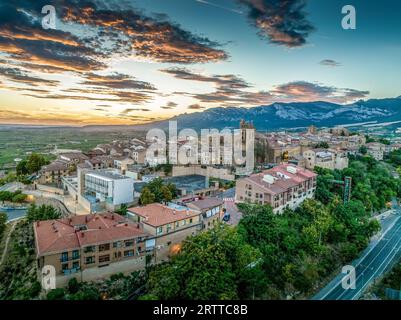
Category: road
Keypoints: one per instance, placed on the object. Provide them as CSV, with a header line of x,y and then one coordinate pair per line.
x,y
383,252
228,197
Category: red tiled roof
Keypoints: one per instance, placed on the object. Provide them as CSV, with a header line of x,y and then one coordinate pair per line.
x,y
59,235
281,184
156,214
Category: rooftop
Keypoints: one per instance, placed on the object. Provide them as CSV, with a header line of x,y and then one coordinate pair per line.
x,y
285,176
108,174
156,214
53,236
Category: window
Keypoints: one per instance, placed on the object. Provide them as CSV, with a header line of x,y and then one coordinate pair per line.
x,y
75,265
104,247
129,253
159,230
105,258
184,222
177,224
64,266
90,260
168,227
117,244
64,256
90,249
190,220
129,243
75,254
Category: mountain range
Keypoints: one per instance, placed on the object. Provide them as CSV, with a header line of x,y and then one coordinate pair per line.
x,y
291,115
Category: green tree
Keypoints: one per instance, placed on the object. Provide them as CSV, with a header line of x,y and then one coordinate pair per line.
x,y
19,198
22,168
3,220
123,210
147,197
363,150
167,195
43,212
35,162
56,294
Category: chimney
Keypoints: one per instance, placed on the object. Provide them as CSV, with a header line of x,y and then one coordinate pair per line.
x,y
173,211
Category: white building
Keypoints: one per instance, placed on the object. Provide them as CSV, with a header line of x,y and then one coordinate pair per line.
x,y
110,187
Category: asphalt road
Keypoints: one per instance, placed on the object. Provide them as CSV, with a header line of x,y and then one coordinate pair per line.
x,y
377,259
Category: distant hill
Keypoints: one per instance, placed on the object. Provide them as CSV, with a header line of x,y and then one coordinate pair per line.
x,y
291,115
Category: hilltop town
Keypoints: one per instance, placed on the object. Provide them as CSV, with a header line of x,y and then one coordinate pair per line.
x,y
115,210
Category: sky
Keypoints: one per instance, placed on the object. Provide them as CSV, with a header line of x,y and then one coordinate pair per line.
x,y
130,62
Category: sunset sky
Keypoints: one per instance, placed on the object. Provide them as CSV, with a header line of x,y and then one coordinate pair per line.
x,y
127,62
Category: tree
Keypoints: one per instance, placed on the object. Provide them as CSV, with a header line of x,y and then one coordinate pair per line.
x,y
19,198
3,220
216,264
323,145
73,286
43,212
147,197
363,150
6,196
167,195
35,162
22,168
56,294
123,210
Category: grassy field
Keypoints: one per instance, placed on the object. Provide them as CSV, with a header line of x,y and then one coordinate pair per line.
x,y
19,142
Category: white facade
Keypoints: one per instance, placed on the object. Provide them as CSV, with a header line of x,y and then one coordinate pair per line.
x,y
110,187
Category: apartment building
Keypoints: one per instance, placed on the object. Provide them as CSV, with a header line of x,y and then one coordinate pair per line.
x,y
53,172
284,186
90,247
168,224
211,209
376,150
325,158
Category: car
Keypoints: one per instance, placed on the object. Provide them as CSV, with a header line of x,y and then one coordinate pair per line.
x,y
226,217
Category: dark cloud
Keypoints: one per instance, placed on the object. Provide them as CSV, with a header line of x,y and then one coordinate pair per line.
x,y
88,34
19,76
195,107
154,38
307,91
283,22
228,80
170,105
330,63
116,81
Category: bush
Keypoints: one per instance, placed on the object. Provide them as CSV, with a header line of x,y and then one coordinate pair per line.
x,y
73,286
56,294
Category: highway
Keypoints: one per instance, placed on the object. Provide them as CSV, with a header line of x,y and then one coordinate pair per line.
x,y
378,258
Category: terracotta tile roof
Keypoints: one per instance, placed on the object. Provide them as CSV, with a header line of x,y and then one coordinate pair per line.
x,y
281,184
60,235
206,203
156,214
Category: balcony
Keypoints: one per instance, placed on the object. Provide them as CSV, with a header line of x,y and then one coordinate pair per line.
x,y
67,272
66,259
